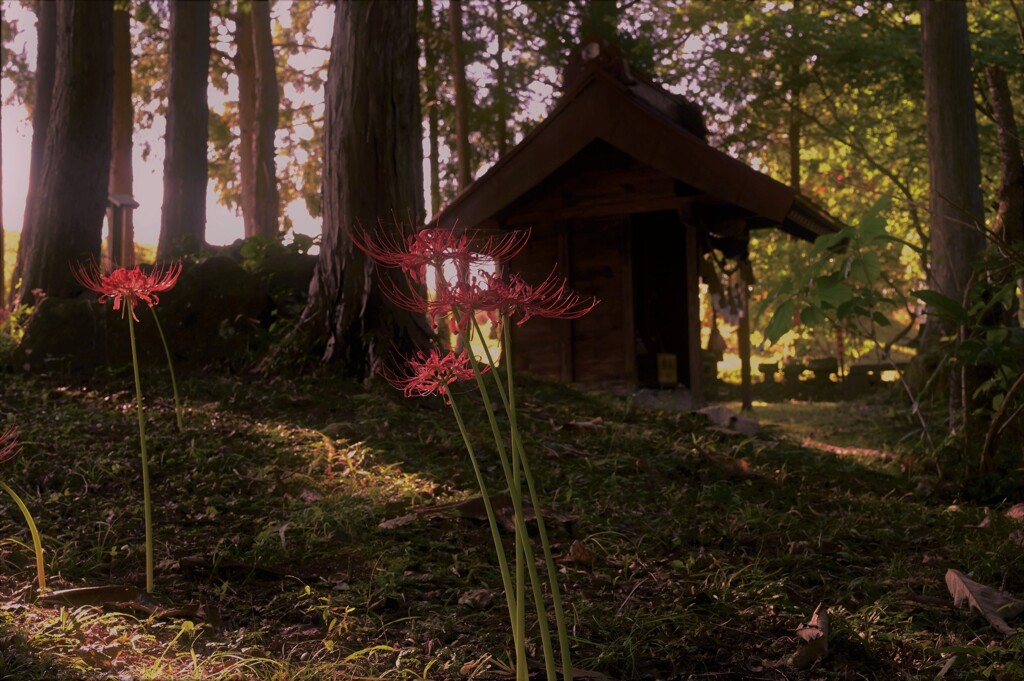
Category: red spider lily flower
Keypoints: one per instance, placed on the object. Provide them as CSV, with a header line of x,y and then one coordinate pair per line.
x,y
8,443
430,373
128,287
436,247
551,299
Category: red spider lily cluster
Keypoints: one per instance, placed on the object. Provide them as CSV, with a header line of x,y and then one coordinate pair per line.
x,y
430,373
476,292
126,286
8,445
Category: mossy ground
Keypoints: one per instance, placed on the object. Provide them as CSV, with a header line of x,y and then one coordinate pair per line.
x,y
690,554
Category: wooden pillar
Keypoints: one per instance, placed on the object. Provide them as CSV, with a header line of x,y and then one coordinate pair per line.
x,y
746,387
692,260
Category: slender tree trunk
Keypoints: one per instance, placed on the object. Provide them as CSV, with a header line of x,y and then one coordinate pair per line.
x,y
245,68
46,60
258,105
265,209
372,173
432,104
500,88
183,215
3,268
121,235
954,170
1009,222
70,199
461,96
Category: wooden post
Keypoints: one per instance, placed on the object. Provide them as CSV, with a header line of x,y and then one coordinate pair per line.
x,y
121,237
746,387
692,258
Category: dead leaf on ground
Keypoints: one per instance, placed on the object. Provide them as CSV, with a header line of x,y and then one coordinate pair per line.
x,y
815,639
476,598
1016,512
579,553
995,605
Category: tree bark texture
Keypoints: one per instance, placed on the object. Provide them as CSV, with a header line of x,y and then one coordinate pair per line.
x,y
70,200
500,88
462,147
957,239
431,101
121,238
46,60
183,215
258,104
372,177
3,268
1009,222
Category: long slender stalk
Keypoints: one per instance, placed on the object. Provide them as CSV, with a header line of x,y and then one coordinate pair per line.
x,y
508,400
170,367
520,519
147,505
511,597
37,543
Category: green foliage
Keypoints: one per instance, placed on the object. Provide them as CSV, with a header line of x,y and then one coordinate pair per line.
x,y
841,283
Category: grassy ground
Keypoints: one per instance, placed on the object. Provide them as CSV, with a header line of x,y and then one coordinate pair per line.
x,y
688,554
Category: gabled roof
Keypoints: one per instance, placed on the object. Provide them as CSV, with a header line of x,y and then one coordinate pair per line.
x,y
652,126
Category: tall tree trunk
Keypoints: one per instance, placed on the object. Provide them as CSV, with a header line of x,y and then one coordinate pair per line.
x,y
70,199
954,170
258,105
500,88
1009,222
461,96
46,60
372,172
431,101
3,268
183,215
121,234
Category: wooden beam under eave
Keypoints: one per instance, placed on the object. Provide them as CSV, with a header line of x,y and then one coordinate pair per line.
x,y
598,210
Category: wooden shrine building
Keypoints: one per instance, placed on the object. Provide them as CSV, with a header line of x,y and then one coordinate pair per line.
x,y
623,193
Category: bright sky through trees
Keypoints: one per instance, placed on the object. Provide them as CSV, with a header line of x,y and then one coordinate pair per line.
x,y
224,225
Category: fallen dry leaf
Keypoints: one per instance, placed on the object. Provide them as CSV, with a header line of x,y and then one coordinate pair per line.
x,y
815,639
995,605
1016,513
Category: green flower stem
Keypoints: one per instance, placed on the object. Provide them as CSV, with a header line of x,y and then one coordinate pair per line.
x,y
36,541
170,367
520,519
511,599
147,505
508,399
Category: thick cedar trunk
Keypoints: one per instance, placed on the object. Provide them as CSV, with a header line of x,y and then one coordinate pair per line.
x,y
372,172
46,59
67,208
433,117
258,110
954,169
121,235
183,215
461,96
1009,222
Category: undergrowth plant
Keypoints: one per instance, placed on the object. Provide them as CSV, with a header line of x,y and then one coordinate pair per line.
x,y
127,288
8,450
478,294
